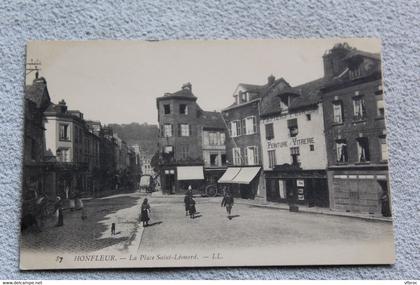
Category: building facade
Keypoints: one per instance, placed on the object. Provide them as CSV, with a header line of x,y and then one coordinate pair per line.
x,y
38,169
293,146
65,139
355,132
243,145
182,123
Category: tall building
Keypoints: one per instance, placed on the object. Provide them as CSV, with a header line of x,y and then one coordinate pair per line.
x,y
184,126
355,131
65,139
293,145
243,145
38,169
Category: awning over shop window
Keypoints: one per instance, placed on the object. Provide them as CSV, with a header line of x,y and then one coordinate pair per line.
x,y
239,175
229,174
190,173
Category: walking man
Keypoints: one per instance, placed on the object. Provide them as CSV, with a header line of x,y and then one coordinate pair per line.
x,y
187,202
228,203
192,209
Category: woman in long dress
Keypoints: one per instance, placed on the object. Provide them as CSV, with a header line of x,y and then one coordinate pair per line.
x,y
145,210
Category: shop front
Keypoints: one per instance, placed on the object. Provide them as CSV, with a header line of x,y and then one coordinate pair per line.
x,y
242,182
177,179
301,187
360,190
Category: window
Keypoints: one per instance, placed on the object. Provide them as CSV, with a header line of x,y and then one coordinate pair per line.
x,y
213,138
249,125
384,148
272,158
213,159
63,155
308,117
363,149
167,109
252,155
293,127
269,131
184,151
167,130
282,188
244,97
222,138
338,112
236,155
311,147
223,158
380,106
183,109
341,148
359,110
295,154
184,130
64,132
235,128
169,149
284,103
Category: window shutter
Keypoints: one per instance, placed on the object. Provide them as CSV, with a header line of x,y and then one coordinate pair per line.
x,y
243,125
245,157
254,124
190,130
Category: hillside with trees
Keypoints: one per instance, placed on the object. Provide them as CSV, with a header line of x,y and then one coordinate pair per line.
x,y
144,135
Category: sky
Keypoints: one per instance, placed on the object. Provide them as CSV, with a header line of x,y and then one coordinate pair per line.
x,y
118,81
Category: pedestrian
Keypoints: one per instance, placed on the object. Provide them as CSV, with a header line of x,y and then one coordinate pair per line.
x,y
59,210
228,203
188,194
145,210
113,229
386,211
191,209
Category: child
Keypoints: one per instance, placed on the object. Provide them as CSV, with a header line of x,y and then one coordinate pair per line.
x,y
145,210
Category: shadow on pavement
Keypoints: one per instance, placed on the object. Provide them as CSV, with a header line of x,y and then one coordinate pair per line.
x,y
233,216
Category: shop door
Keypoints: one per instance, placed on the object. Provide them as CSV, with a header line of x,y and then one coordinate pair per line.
x,y
291,191
170,183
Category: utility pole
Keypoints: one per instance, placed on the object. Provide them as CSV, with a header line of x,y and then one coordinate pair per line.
x,y
33,65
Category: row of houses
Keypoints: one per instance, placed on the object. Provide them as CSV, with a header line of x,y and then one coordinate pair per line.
x,y
322,143
68,156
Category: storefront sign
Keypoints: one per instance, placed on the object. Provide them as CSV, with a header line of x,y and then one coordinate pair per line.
x,y
291,143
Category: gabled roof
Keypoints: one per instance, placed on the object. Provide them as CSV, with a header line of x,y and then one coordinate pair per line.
x,y
304,95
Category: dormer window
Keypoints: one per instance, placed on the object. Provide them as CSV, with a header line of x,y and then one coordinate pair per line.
x,y
243,97
183,109
284,103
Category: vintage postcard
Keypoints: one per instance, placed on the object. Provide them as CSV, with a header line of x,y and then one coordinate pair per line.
x,y
204,154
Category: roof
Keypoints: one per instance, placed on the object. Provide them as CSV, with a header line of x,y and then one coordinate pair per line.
x,y
38,93
357,52
304,95
185,93
260,90
212,120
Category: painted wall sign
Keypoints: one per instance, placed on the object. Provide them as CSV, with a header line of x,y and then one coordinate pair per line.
x,y
300,182
290,143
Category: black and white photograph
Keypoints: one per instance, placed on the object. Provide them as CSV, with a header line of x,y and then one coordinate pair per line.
x,y
205,153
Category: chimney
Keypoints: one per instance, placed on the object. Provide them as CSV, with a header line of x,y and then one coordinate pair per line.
x,y
271,79
187,86
63,106
333,60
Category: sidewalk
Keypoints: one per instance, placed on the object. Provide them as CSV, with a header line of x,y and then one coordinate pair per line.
x,y
281,206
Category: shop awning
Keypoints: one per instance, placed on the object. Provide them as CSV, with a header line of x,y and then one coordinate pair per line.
x,y
190,173
239,175
229,174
